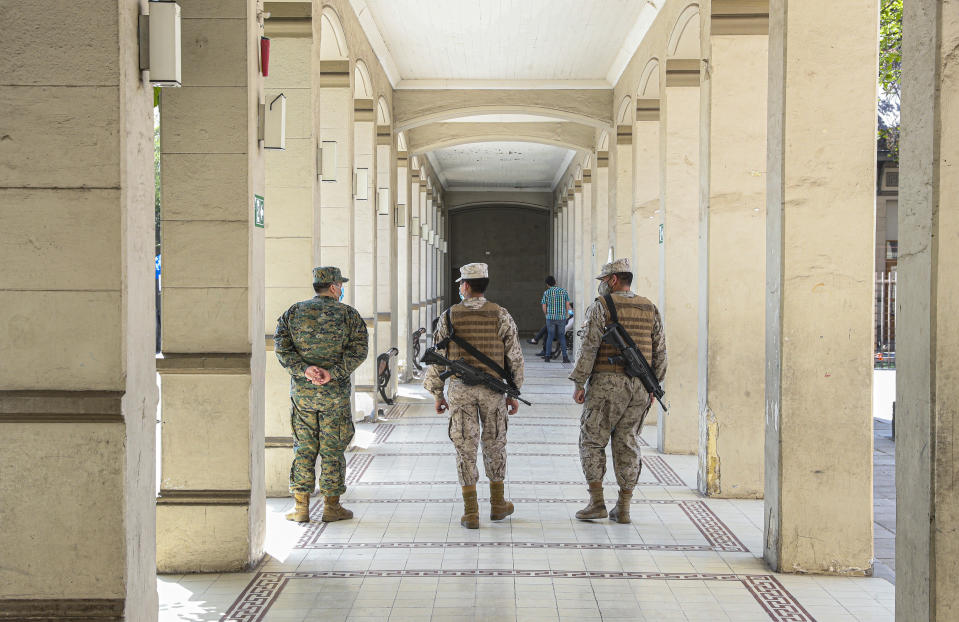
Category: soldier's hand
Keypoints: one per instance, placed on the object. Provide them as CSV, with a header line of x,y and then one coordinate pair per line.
x,y
441,405
317,375
512,405
579,396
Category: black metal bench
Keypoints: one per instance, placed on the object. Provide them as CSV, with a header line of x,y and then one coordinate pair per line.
x,y
383,373
416,348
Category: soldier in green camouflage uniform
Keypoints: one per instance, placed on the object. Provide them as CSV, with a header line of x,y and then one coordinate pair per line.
x,y
320,342
615,403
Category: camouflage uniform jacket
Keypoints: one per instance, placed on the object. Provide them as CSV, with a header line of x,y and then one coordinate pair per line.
x,y
324,332
506,332
596,318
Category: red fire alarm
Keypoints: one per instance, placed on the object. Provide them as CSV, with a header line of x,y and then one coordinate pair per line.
x,y
265,56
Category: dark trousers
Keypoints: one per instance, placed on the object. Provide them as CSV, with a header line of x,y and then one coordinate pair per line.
x,y
555,329
540,334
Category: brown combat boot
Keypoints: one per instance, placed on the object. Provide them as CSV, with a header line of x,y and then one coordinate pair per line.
x,y
333,511
597,505
470,518
499,507
301,511
620,513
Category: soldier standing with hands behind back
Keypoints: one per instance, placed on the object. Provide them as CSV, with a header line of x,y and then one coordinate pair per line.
x,y
320,342
490,330
616,404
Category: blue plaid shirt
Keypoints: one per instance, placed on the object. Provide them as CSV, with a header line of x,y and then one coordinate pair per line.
x,y
555,299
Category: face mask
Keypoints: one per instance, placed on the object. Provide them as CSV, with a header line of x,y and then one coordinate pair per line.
x,y
342,293
604,288
462,295
571,312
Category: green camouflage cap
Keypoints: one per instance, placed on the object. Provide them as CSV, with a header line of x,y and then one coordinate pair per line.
x,y
619,265
328,274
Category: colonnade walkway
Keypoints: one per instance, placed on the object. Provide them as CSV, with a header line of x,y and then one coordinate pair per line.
x,y
405,556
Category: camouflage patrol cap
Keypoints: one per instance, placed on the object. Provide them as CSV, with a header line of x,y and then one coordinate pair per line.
x,y
473,271
328,274
615,266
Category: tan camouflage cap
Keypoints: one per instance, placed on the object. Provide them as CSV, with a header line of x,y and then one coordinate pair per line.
x,y
328,274
474,271
617,265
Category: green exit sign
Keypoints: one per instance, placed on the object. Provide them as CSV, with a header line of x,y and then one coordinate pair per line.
x,y
258,211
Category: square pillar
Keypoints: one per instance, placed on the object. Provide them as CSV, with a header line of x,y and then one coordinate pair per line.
x,y
290,243
211,508
927,503
404,268
77,319
601,237
586,286
732,252
821,157
361,291
623,242
679,428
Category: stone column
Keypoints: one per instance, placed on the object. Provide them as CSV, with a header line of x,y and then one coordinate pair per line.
x,y
386,251
289,244
623,242
647,209
732,251
601,209
927,506
333,114
819,279
678,430
424,260
404,264
211,508
576,289
417,260
361,290
586,289
77,376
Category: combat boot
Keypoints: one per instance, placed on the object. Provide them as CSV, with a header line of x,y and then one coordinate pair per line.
x,y
333,511
597,505
301,511
620,513
499,507
470,518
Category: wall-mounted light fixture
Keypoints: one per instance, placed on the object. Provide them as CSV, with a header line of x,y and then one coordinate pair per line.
x,y
415,225
361,181
400,215
327,165
383,201
159,41
272,129
425,231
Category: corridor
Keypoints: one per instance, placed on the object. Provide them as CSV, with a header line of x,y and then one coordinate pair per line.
x,y
405,556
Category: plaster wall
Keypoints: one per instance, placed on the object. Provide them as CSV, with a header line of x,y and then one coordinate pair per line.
x,y
819,278
927,506
76,171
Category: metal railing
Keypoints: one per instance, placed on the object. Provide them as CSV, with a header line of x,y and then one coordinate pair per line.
x,y
885,320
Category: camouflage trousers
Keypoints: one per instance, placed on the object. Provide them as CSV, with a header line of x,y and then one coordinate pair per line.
x,y
473,409
615,408
325,433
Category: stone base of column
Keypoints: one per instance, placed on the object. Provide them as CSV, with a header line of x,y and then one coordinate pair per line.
x,y
205,531
279,457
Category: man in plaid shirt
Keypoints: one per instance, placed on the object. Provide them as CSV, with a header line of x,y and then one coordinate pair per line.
x,y
556,307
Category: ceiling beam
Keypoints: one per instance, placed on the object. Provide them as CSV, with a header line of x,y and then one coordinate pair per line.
x,y
439,135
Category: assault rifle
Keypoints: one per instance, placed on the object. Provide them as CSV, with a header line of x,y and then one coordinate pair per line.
x,y
630,356
469,374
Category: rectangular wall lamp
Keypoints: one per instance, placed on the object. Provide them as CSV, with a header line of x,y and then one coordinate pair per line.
x,y
425,231
400,215
415,225
159,42
361,182
383,201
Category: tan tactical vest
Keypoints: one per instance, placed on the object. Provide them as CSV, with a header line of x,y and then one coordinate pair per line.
x,y
480,327
636,315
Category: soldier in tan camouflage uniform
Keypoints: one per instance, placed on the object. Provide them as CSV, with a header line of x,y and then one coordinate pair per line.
x,y
491,330
320,342
615,403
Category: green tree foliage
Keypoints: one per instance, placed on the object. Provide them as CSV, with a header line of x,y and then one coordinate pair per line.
x,y
890,73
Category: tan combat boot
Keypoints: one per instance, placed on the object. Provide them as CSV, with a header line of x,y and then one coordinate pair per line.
x,y
333,511
620,513
301,511
597,505
470,518
499,508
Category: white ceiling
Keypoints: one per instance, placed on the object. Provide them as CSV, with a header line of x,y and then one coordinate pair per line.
x,y
540,41
500,166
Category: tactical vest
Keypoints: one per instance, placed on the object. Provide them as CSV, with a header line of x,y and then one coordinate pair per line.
x,y
636,315
480,327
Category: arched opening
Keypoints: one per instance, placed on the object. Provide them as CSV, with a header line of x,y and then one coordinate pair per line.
x,y
684,39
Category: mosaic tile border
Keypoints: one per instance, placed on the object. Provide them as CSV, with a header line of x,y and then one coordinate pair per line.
x,y
484,482
381,429
262,592
396,411
593,546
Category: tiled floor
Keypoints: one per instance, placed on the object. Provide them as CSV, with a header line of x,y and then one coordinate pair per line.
x,y
405,556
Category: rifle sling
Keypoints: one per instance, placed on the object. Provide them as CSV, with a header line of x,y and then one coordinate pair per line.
x,y
479,356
